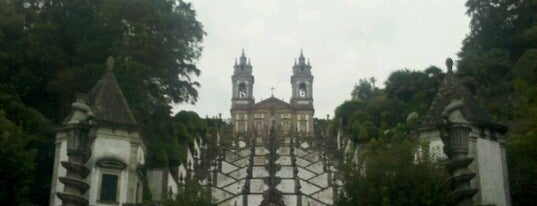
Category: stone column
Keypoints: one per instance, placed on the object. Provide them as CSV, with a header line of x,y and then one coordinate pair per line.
x,y
80,136
78,151
132,170
455,139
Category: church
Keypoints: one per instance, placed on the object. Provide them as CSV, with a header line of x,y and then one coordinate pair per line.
x,y
272,113
273,154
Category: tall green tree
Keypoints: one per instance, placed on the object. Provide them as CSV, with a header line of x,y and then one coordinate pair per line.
x,y
415,88
365,89
52,49
500,32
522,138
25,139
17,168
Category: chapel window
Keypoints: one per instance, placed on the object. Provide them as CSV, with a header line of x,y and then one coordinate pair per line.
x,y
259,126
242,126
302,126
285,126
109,186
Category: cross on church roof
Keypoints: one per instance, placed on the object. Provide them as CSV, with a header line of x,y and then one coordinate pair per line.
x,y
272,91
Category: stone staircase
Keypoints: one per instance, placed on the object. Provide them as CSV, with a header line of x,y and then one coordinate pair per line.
x,y
273,170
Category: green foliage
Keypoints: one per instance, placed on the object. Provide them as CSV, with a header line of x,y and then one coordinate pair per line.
x,y
522,142
389,172
365,89
51,49
17,163
193,123
171,136
500,33
415,88
147,196
27,146
193,194
407,93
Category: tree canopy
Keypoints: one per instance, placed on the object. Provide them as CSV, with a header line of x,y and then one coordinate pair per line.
x,y
52,49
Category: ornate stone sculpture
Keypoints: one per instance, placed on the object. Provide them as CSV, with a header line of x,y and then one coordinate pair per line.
x,y
80,135
454,135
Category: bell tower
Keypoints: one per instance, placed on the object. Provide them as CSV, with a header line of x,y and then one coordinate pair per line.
x,y
302,96
243,82
302,83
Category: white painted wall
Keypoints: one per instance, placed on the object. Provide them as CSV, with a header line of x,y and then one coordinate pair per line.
x,y
172,185
490,176
116,144
155,179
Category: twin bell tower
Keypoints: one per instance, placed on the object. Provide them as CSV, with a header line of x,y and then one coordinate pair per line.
x,y
272,113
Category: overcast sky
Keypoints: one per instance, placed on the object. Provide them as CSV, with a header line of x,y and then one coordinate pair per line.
x,y
346,40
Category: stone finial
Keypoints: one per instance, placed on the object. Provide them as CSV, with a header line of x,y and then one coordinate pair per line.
x,y
81,110
449,65
110,64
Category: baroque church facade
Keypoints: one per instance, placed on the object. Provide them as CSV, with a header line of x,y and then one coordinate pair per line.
x,y
273,155
272,113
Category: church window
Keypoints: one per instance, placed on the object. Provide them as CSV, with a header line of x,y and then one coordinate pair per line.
x,y
302,89
109,188
302,126
259,126
242,126
242,90
285,126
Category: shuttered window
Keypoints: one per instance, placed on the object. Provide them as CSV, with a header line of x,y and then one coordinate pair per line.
x,y
109,188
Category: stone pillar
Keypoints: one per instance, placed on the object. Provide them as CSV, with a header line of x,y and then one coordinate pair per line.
x,y
78,151
132,168
455,139
55,171
80,136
